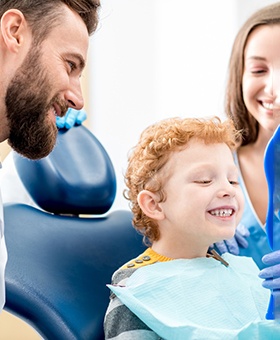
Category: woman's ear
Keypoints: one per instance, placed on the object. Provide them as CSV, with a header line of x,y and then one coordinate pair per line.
x,y
149,203
13,27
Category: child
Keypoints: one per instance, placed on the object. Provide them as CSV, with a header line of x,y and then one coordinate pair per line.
x,y
184,192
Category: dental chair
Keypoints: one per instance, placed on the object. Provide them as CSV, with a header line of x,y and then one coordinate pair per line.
x,y
62,254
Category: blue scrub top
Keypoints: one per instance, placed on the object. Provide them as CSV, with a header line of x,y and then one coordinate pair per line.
x,y
258,245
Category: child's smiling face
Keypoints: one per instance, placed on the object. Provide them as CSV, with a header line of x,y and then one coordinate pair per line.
x,y
204,201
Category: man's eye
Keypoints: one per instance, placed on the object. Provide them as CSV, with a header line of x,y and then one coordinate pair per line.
x,y
72,65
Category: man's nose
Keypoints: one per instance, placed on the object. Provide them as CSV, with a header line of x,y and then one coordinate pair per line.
x,y
74,96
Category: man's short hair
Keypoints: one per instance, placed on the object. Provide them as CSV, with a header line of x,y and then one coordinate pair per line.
x,y
43,15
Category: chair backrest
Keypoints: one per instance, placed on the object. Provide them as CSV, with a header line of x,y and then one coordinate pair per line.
x,y
58,265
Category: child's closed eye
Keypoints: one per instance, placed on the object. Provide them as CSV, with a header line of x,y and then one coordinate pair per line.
x,y
234,182
203,181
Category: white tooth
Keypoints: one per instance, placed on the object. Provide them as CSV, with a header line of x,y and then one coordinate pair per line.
x,y
221,212
268,106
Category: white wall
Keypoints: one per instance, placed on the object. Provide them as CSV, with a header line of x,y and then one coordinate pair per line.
x,y
152,59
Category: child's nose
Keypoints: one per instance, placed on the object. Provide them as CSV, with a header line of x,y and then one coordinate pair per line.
x,y
227,189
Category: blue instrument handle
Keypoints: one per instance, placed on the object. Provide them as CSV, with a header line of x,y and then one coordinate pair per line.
x,y
270,309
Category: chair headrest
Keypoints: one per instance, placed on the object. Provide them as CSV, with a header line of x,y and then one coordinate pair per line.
x,y
76,178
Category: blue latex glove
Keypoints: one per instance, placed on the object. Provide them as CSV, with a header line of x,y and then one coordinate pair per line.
x,y
271,274
71,118
232,245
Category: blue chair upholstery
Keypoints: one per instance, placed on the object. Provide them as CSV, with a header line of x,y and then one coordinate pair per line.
x,y
60,262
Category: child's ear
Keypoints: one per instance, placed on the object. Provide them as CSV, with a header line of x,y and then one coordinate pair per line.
x,y
13,27
148,202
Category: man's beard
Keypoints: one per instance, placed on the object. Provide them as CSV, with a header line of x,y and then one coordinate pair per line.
x,y
32,131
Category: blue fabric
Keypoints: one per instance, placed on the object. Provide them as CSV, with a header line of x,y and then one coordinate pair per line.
x,y
257,241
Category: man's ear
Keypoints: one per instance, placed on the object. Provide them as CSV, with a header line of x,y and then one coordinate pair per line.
x,y
13,27
149,204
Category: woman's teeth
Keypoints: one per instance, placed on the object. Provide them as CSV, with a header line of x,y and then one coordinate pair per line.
x,y
268,106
